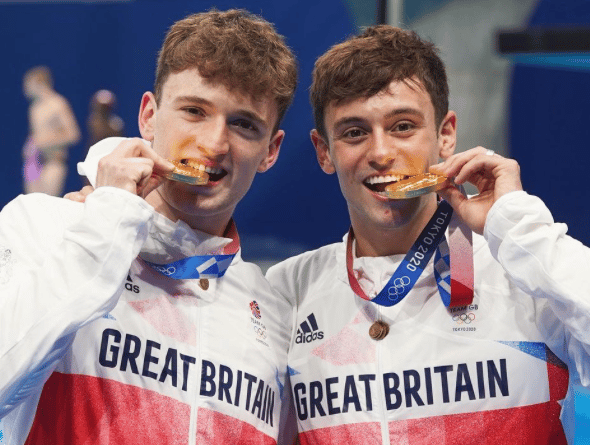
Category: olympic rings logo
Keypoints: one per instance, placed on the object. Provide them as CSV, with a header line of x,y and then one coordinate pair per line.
x,y
260,332
398,288
166,270
464,318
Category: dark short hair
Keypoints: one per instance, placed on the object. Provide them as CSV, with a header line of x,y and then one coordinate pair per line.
x,y
367,63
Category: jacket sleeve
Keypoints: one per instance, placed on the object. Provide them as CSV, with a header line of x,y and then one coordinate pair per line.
x,y
60,268
545,262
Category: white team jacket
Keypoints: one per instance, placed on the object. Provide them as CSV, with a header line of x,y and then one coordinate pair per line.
x,y
97,347
490,373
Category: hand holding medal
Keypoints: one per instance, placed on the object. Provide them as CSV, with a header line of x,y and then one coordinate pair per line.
x,y
133,166
493,175
456,287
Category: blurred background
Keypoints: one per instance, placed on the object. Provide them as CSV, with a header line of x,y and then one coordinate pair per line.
x,y
522,104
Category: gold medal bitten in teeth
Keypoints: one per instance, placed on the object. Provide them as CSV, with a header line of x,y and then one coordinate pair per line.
x,y
188,171
416,185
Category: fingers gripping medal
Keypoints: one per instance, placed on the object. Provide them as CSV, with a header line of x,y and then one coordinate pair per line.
x,y
188,172
416,186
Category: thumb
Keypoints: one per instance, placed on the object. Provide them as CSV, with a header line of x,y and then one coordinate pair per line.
x,y
162,166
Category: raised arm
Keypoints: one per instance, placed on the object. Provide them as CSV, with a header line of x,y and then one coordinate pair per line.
x,y
63,265
533,249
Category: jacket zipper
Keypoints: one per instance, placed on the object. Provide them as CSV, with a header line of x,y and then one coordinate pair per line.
x,y
193,427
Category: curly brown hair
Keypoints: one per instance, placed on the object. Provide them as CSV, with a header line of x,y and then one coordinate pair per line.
x,y
238,49
366,64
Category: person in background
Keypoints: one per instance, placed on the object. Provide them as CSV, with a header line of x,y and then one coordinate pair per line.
x,y
102,121
131,318
52,131
406,332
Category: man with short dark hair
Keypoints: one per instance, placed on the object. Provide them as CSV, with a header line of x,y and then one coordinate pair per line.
x,y
475,346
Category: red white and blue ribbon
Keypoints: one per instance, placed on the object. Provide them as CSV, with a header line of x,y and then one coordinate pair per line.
x,y
202,266
453,268
455,282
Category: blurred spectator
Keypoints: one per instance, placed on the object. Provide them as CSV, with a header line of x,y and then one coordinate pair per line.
x,y
52,131
102,121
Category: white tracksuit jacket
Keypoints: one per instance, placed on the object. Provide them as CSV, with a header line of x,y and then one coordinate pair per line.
x,y
96,347
494,372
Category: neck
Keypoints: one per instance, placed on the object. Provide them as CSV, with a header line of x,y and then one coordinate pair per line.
x,y
44,94
384,240
213,225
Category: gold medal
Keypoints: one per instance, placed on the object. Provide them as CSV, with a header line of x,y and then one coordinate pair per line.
x,y
416,186
184,172
379,330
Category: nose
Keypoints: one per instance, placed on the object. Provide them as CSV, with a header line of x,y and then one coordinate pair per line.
x,y
212,139
381,153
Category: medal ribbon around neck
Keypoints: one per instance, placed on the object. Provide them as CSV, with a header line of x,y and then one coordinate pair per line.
x,y
202,266
453,268
406,275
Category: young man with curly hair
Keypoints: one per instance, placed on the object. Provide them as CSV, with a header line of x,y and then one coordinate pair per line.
x,y
131,318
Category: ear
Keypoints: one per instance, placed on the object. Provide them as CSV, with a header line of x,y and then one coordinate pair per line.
x,y
447,135
322,150
147,116
273,152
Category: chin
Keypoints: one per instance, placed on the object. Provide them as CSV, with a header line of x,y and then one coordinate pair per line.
x,y
403,214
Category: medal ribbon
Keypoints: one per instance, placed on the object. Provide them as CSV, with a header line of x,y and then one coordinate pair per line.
x,y
202,266
455,278
454,292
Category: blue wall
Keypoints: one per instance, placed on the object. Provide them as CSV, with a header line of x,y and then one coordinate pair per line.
x,y
114,45
550,125
550,137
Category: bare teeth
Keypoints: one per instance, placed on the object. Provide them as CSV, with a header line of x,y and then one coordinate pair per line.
x,y
201,167
377,184
385,178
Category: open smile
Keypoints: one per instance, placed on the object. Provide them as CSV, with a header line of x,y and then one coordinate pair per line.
x,y
215,174
377,184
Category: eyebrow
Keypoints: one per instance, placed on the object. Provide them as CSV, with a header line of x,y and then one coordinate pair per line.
x,y
347,121
414,111
196,100
193,100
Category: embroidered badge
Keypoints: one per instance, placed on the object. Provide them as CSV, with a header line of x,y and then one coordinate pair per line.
x,y
255,309
464,318
258,326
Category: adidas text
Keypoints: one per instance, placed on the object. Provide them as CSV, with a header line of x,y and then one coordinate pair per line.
x,y
308,337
